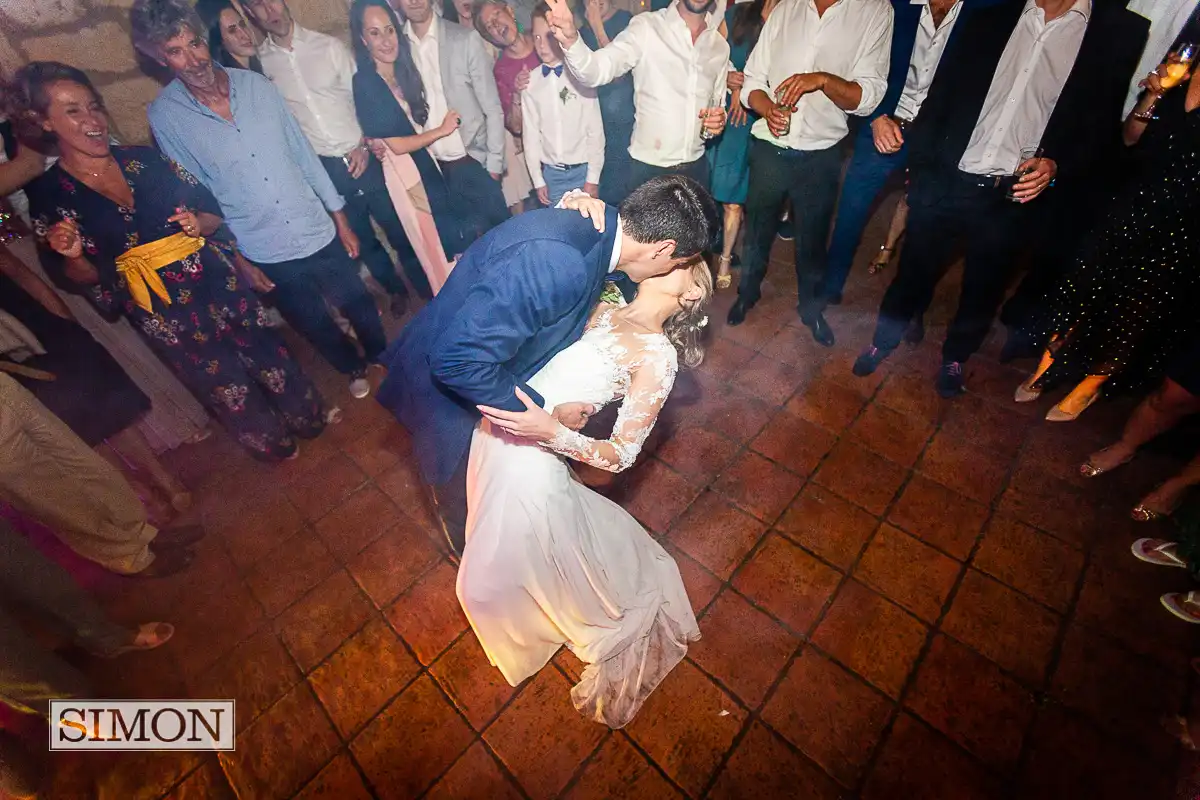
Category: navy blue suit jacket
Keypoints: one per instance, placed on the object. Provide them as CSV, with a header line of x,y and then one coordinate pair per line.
x,y
517,297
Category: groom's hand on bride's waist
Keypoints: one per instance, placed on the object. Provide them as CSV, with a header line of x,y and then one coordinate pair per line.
x,y
535,422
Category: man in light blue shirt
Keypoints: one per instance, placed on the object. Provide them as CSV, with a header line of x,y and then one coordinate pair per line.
x,y
232,130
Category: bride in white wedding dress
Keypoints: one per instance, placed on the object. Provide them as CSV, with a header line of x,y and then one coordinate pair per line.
x,y
549,562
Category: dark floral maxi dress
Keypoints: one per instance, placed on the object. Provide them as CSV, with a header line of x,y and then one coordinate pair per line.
x,y
213,332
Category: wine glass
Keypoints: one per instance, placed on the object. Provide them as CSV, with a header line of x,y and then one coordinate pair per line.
x,y
1177,68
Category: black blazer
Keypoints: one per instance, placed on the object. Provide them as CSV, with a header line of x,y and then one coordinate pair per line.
x,y
1085,125
380,117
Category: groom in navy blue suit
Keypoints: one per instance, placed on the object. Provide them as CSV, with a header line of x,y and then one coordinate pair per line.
x,y
516,298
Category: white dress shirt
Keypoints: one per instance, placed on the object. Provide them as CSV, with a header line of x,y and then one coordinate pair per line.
x,y
927,53
1167,18
673,79
425,54
852,40
1025,87
561,124
314,77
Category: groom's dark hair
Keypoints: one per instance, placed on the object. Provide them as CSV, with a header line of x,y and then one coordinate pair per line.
x,y
672,207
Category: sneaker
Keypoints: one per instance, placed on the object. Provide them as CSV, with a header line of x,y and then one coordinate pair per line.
x,y
359,387
950,382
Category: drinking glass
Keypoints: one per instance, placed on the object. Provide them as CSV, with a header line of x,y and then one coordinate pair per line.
x,y
1177,68
1018,173
714,104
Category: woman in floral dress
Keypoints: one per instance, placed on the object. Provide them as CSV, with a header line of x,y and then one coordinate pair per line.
x,y
142,238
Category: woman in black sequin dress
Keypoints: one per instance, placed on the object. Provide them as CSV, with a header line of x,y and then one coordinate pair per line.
x,y
1130,300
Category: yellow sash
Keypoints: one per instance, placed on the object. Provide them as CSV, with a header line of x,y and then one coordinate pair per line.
x,y
140,265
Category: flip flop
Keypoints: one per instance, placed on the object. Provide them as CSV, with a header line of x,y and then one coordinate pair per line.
x,y
1157,551
1186,606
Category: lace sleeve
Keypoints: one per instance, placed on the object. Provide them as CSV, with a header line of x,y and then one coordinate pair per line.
x,y
649,385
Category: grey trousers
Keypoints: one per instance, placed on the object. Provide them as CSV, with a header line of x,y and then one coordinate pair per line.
x,y
30,675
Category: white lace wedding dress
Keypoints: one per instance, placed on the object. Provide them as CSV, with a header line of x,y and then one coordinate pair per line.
x,y
548,562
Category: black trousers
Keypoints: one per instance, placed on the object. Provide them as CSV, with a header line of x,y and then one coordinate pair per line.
x,y
475,197
810,179
303,286
367,197
944,212
639,172
450,502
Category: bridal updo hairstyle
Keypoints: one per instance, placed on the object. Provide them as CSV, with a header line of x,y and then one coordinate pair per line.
x,y
27,98
675,207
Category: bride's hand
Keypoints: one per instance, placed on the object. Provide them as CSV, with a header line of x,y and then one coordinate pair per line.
x,y
533,423
588,206
573,415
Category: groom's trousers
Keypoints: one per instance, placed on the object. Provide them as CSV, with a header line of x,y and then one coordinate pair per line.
x,y
450,502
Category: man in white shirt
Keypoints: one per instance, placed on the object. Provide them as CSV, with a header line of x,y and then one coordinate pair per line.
x,y
313,72
816,62
1029,95
922,31
563,131
679,61
457,72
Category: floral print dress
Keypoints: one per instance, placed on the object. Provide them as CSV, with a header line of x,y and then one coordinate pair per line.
x,y
213,333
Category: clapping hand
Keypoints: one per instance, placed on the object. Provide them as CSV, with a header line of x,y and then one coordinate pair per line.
x,y
562,22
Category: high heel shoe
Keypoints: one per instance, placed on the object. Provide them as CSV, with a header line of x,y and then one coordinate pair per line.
x,y
1057,414
1023,394
1143,513
725,280
1089,470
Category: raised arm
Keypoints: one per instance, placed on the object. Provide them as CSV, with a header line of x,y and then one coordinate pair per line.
x,y
596,68
542,281
649,387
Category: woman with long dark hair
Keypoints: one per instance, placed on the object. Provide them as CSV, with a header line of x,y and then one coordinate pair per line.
x,y
729,157
389,98
231,40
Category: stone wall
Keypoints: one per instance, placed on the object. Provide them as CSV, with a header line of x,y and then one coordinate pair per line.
x,y
94,36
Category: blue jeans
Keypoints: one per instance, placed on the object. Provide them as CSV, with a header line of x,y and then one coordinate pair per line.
x,y
869,170
560,180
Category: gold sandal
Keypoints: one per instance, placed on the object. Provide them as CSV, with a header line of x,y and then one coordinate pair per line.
x,y
724,281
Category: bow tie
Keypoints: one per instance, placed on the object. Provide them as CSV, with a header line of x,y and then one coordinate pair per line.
x,y
556,70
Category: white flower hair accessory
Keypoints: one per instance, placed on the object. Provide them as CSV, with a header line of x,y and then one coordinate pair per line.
x,y
703,322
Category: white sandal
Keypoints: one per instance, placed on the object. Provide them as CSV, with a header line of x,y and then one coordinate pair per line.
x,y
1158,551
1178,604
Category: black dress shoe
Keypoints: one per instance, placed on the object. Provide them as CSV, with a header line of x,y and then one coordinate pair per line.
x,y
822,333
916,332
738,311
950,381
869,360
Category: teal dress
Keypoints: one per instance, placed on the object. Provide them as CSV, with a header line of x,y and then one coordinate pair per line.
x,y
728,155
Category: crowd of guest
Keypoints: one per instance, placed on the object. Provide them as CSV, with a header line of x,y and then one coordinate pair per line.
x,y
1057,137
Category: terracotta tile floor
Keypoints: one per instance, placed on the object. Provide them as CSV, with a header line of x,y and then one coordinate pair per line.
x,y
900,597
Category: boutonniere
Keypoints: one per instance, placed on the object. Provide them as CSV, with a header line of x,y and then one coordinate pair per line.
x,y
565,94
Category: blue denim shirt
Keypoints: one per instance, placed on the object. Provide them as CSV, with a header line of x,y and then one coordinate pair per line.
x,y
274,193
